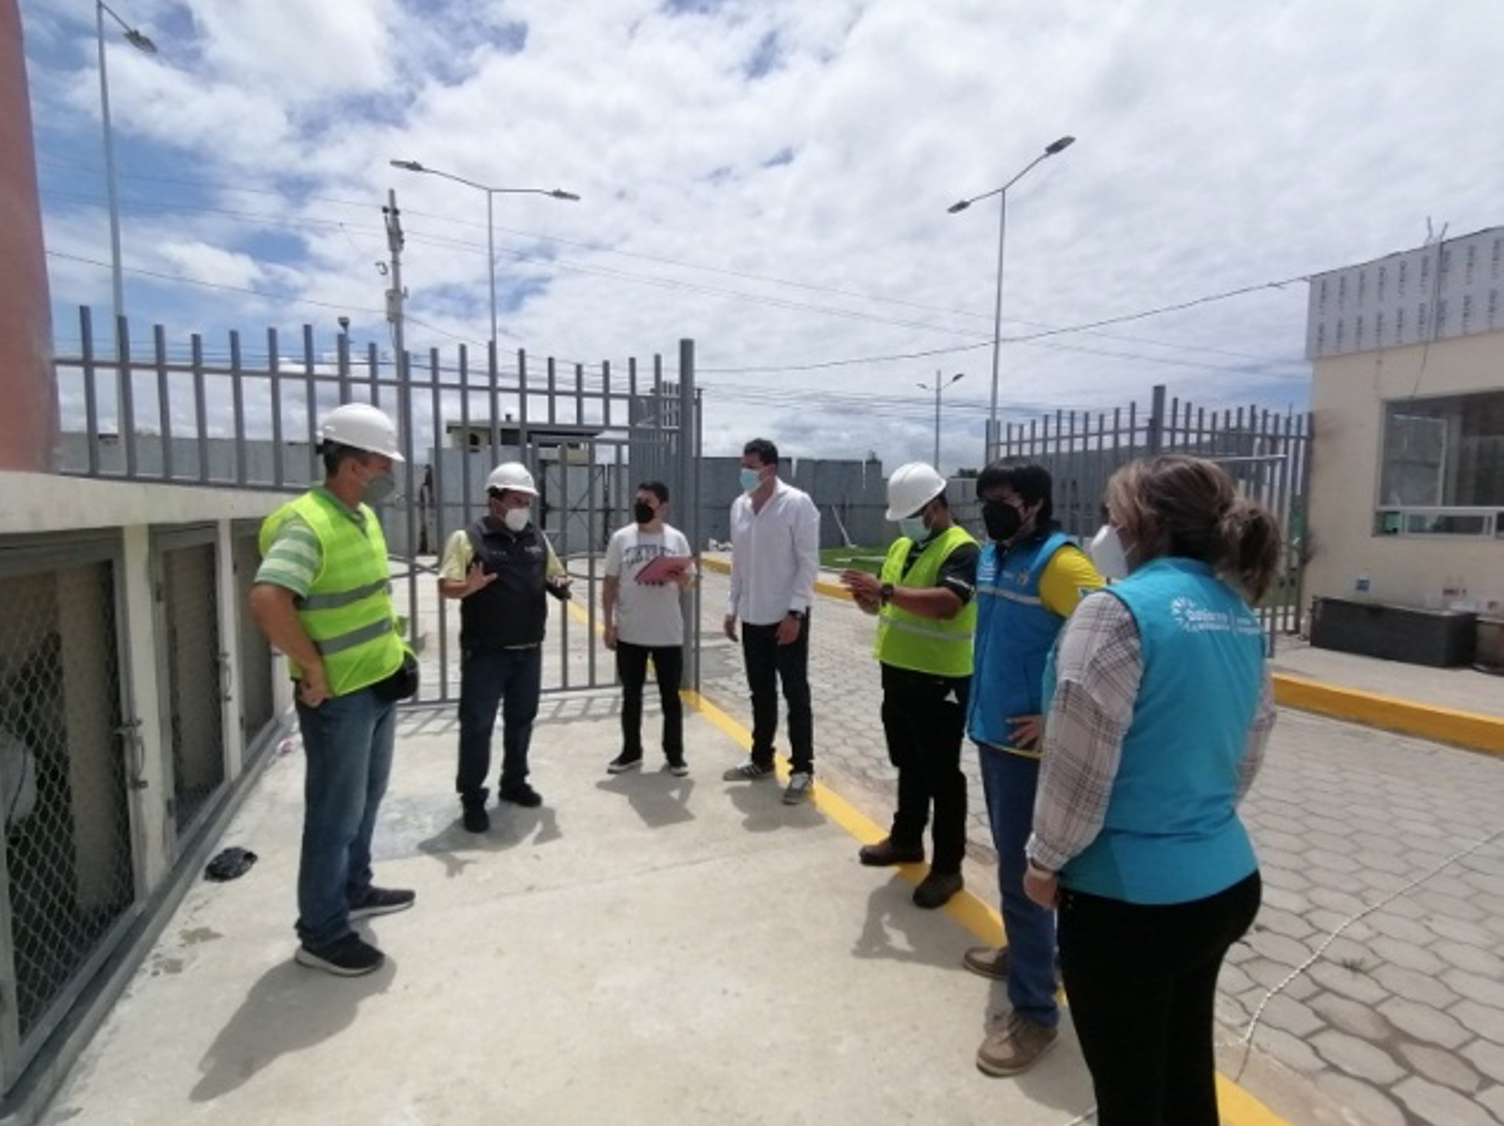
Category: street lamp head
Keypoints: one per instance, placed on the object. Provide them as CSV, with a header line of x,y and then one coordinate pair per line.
x,y
961,206
560,194
407,165
1059,146
140,41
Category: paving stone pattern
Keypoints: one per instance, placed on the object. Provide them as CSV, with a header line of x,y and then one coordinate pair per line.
x,y
1383,864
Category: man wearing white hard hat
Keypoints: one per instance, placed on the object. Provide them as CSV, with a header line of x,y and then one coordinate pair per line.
x,y
926,617
322,597
499,569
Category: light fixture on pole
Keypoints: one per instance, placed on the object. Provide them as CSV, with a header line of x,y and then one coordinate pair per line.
x,y
993,437
139,41
491,193
937,388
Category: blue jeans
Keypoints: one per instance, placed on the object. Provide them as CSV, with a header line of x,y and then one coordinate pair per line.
x,y
1009,782
509,679
347,742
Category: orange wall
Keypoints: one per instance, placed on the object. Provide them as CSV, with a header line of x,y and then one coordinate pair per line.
x,y
28,421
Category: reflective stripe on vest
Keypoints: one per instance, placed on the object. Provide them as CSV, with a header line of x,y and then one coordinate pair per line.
x,y
347,613
928,645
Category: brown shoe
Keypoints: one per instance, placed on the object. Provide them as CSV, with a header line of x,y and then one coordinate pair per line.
x,y
936,889
1014,1047
987,961
885,852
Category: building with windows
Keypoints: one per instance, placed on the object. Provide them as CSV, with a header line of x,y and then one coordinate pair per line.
x,y
1407,471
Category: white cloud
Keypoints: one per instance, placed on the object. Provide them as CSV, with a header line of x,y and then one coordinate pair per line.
x,y
1218,147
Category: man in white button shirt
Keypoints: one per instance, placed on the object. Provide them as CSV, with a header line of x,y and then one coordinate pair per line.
x,y
775,556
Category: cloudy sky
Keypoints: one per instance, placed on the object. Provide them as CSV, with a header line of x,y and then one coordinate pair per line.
x,y
771,178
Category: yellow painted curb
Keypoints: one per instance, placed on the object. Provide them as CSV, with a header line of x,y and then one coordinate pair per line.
x,y
1237,1106
1444,725
829,589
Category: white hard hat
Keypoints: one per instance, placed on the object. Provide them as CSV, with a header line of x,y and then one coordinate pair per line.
x,y
362,427
911,487
512,475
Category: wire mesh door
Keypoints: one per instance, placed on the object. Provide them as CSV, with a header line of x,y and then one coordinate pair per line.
x,y
68,882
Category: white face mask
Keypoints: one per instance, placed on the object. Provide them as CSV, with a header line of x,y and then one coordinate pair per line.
x,y
1107,553
751,478
913,527
516,519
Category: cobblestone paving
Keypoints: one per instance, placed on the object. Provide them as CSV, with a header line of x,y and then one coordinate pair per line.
x,y
1394,845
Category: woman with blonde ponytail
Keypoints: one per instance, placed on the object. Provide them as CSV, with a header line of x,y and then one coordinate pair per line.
x,y
1159,706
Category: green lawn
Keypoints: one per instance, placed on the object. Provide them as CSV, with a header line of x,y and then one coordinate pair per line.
x,y
858,558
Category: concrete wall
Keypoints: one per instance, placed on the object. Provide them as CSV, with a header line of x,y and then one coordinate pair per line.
x,y
28,423
1348,400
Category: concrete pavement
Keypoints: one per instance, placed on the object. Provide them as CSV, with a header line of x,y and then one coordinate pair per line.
x,y
647,948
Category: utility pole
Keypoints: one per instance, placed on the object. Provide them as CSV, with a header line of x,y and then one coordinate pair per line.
x,y
395,296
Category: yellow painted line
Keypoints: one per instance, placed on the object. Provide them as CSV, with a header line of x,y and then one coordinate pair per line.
x,y
1443,725
1237,1106
829,589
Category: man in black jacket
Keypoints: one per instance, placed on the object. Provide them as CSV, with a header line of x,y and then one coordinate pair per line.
x,y
500,568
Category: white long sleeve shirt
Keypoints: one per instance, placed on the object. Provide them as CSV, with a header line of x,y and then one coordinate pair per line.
x,y
775,556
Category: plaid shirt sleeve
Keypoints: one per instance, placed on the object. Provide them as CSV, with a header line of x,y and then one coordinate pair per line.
x,y
1098,667
1258,736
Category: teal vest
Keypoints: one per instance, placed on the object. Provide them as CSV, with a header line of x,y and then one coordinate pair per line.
x,y
1014,636
1172,832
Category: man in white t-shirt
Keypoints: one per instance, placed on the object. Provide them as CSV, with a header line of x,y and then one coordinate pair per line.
x,y
640,604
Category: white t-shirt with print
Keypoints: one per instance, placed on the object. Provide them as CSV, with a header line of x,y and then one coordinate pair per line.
x,y
646,613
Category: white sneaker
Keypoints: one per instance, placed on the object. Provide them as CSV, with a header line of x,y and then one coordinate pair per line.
x,y
800,789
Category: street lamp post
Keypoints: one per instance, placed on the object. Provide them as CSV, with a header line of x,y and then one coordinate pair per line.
x,y
139,41
491,193
939,387
993,437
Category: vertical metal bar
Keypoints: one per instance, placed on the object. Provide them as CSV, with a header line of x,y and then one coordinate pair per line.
x,y
91,393
494,392
237,396
436,507
688,457
372,379
553,390
125,379
274,370
200,407
164,399
342,357
1157,419
524,439
311,400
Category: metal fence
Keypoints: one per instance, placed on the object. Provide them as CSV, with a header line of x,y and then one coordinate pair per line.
x,y
249,421
1266,452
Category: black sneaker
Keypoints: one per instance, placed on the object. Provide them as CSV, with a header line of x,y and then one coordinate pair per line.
x,y
520,794
677,766
623,763
382,901
350,956
477,820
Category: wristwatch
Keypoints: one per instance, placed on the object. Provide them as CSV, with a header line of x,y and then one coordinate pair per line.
x,y
797,615
885,593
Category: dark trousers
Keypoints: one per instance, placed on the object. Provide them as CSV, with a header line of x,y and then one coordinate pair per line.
x,y
924,719
1142,980
509,679
768,665
632,669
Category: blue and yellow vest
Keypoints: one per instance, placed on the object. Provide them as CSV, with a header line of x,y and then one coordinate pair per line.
x,y
1015,633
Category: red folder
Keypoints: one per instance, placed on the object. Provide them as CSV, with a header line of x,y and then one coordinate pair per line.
x,y
665,569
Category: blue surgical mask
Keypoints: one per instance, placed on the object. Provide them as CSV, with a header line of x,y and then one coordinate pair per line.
x,y
751,478
913,527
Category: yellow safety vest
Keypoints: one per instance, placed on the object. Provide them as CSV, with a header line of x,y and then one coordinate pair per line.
x,y
348,612
930,645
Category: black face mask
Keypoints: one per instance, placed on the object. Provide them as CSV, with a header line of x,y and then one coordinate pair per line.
x,y
1002,520
643,512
